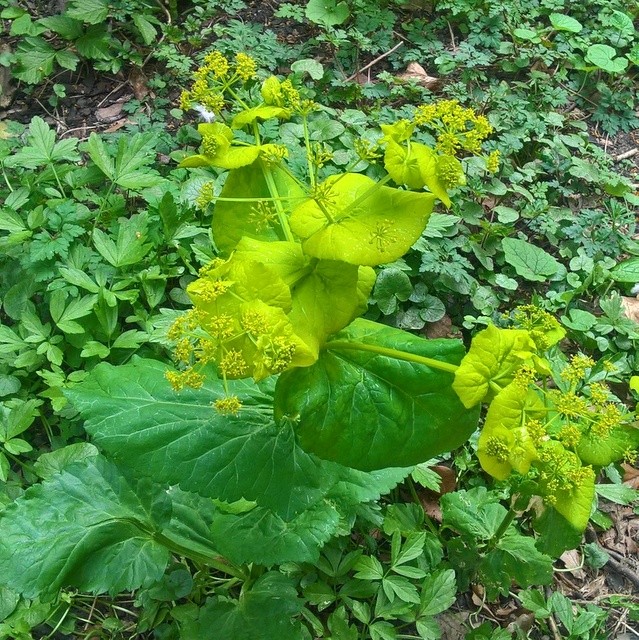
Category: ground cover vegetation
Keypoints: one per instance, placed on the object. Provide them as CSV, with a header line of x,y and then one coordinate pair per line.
x,y
334,335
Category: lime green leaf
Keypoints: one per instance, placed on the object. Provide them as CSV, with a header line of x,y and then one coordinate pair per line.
x,y
370,411
416,167
492,360
358,221
327,12
530,262
600,451
324,302
259,113
563,22
87,527
233,220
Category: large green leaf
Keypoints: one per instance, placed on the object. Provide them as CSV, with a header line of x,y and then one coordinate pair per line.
x,y
370,411
132,412
357,221
86,527
234,219
530,262
267,610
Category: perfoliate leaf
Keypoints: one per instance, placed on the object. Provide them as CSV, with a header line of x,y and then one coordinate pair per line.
x,y
492,360
601,451
257,220
416,167
86,527
370,411
259,113
356,220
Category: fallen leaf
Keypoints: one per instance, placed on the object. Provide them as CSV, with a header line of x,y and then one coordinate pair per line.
x,y
415,71
631,308
440,329
573,562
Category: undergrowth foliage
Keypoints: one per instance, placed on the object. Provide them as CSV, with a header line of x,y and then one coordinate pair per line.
x,y
246,481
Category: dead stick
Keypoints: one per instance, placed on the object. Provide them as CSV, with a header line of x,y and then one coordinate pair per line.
x,y
627,154
370,64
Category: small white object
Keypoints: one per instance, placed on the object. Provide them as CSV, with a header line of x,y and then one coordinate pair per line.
x,y
205,114
635,290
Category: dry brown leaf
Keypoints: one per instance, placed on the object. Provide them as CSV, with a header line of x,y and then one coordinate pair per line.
x,y
631,308
440,329
415,71
7,88
573,562
138,81
110,113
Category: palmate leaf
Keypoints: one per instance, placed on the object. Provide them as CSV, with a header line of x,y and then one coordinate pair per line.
x,y
86,527
371,411
178,438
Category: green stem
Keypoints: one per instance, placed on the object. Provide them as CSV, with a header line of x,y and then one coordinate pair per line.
x,y
281,213
394,353
309,155
503,527
216,563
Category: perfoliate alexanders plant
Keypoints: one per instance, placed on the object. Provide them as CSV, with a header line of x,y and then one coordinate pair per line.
x,y
295,269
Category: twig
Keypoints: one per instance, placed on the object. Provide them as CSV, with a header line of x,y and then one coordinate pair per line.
x,y
623,570
452,38
626,154
373,62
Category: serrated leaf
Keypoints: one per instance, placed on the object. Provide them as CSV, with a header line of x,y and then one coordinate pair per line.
x,y
53,462
438,592
475,513
133,413
618,493
35,59
529,261
91,11
146,29
269,609
371,411
626,271
368,568
86,527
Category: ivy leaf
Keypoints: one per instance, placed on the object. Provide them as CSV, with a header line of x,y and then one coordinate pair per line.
x,y
359,222
516,558
370,411
605,58
492,360
562,22
87,527
530,262
327,12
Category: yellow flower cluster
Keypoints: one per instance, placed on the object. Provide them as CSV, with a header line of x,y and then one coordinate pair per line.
x,y
216,76
575,372
456,128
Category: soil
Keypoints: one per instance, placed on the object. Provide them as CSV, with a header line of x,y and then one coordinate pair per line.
x,y
95,103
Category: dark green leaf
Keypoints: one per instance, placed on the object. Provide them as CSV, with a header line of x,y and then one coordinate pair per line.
x,y
530,262
371,411
87,527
